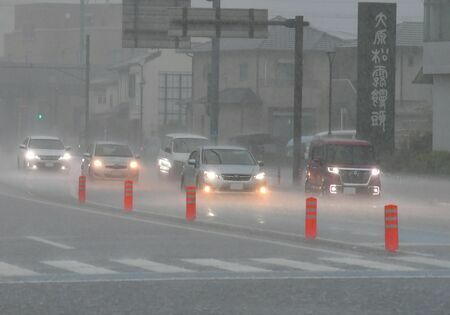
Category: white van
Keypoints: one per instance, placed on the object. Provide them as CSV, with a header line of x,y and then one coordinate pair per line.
x,y
175,151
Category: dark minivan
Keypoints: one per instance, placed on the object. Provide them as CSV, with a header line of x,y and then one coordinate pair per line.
x,y
337,166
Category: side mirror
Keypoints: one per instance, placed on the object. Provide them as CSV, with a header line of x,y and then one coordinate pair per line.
x,y
192,162
261,163
87,155
137,157
23,146
68,148
167,150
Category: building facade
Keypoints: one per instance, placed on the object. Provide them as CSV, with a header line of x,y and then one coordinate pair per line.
x,y
157,84
257,84
413,97
436,64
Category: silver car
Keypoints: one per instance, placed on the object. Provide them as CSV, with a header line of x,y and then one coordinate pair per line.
x,y
224,168
39,153
110,161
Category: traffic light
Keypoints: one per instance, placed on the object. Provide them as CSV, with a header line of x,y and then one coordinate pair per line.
x,y
40,116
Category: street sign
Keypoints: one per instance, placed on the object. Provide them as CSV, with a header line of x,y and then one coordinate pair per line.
x,y
145,24
376,74
232,23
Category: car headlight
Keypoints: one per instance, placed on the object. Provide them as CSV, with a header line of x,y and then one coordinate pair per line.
x,y
260,176
97,163
333,170
211,175
66,157
134,165
376,172
164,163
31,156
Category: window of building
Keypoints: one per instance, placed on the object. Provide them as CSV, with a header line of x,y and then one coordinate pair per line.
x,y
206,72
285,73
132,85
111,101
175,90
243,72
410,60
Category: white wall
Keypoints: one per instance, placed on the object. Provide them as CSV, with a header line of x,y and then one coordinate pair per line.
x,y
169,61
436,58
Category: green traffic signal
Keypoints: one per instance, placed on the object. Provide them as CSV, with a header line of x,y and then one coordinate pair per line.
x,y
40,116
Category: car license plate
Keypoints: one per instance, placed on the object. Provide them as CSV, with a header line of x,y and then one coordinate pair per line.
x,y
236,186
349,190
49,164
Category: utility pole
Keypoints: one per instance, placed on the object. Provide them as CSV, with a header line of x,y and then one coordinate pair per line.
x,y
87,87
141,109
298,95
331,55
82,29
215,78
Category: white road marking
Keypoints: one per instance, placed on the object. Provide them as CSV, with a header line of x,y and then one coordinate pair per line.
x,y
7,270
151,266
369,264
296,264
425,261
42,240
228,266
78,267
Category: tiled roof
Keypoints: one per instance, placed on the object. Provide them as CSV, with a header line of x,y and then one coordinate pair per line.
x,y
409,34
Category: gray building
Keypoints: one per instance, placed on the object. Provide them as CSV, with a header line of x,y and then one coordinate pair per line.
x,y
257,84
436,67
413,93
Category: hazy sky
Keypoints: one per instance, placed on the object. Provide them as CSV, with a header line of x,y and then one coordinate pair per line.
x,y
335,15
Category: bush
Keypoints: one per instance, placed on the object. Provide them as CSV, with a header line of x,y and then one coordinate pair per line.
x,y
415,156
435,163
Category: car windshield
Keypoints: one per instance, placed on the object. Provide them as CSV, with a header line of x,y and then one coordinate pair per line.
x,y
46,144
227,157
350,154
187,145
113,150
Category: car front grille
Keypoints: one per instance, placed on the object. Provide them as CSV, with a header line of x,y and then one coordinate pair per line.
x,y
355,176
236,177
116,167
49,157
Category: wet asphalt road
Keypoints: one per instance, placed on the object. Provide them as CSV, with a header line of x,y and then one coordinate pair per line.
x,y
58,257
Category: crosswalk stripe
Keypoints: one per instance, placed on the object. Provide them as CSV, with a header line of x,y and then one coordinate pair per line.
x,y
369,264
78,267
296,264
225,265
151,266
425,261
7,270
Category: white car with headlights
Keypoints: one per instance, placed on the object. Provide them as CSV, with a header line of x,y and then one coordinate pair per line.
x,y
224,168
44,153
175,152
110,161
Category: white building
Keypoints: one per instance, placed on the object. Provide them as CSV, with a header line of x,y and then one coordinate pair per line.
x,y
436,63
165,78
